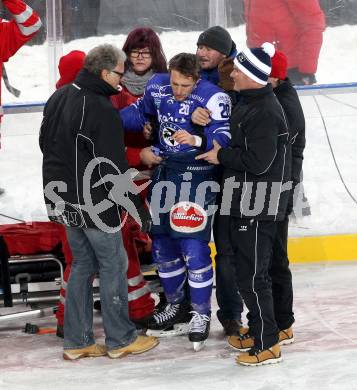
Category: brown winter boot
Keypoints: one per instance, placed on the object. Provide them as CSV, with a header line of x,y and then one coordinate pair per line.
x,y
94,350
140,345
286,336
256,357
244,342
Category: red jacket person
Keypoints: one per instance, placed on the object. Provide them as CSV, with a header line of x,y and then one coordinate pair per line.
x,y
15,34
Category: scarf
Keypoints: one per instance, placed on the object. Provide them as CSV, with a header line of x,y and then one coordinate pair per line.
x,y
134,83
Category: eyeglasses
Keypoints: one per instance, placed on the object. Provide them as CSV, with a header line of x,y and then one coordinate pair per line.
x,y
118,73
137,53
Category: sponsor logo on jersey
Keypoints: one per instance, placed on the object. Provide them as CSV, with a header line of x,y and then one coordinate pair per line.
x,y
197,97
188,217
200,168
223,98
154,86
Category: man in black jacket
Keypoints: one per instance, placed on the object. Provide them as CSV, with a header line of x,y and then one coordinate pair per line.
x,y
256,177
280,272
85,182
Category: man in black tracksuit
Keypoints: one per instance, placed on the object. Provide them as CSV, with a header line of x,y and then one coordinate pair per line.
x,y
280,272
256,177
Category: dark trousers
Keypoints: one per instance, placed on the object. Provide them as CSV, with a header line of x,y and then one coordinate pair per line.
x,y
230,304
281,278
252,242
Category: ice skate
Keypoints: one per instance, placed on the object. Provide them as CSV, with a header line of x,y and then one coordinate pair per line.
x,y
174,330
199,330
172,320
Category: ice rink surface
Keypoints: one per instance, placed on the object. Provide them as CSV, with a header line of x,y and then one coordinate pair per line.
x,y
324,355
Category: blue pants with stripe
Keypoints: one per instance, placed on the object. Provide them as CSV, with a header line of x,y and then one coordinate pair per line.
x,y
179,259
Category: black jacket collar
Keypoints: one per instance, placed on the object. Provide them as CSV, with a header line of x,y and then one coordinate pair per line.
x,y
254,93
94,83
283,86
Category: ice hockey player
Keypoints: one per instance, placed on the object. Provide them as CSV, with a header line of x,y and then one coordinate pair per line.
x,y
14,34
182,231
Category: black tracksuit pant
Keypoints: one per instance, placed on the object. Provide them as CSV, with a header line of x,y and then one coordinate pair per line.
x,y
281,278
252,242
228,299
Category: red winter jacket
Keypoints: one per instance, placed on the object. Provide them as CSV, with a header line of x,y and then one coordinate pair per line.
x,y
296,26
17,32
134,142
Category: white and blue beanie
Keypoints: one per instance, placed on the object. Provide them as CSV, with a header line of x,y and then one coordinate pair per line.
x,y
256,62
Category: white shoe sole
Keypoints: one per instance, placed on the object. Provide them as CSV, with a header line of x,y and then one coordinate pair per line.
x,y
265,362
287,341
239,349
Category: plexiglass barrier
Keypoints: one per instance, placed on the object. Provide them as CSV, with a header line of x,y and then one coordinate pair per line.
x,y
320,37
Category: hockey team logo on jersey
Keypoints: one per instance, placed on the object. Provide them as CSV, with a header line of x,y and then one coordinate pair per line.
x,y
188,217
167,131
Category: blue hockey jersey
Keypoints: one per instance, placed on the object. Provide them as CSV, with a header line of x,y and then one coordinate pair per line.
x,y
159,103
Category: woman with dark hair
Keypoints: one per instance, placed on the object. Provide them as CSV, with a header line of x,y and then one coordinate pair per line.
x,y
146,38
144,58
